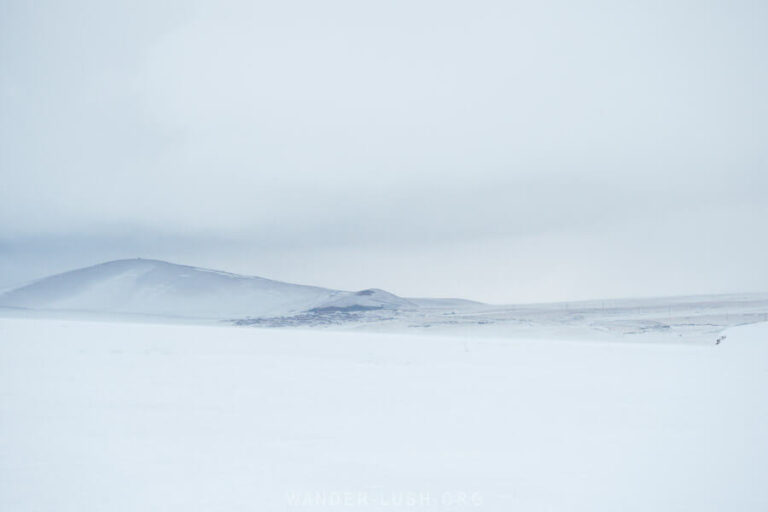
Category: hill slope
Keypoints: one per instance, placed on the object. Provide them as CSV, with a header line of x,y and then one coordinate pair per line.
x,y
155,287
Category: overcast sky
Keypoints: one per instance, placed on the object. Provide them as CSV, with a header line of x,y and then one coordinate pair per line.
x,y
503,151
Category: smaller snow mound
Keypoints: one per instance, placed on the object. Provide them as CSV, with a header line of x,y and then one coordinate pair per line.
x,y
364,300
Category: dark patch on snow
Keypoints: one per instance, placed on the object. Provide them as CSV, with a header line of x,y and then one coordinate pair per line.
x,y
338,309
330,316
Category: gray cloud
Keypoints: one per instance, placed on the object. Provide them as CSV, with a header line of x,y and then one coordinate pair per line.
x,y
498,150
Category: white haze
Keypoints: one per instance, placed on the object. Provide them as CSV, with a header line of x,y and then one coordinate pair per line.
x,y
500,151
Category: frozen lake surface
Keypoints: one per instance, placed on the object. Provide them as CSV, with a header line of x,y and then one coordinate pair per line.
x,y
111,416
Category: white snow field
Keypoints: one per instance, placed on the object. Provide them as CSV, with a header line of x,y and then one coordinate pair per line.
x,y
109,416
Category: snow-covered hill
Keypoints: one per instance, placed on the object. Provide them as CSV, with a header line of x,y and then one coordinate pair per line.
x,y
162,289
363,300
153,287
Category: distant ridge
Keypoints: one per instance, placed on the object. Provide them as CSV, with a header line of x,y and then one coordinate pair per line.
x,y
155,287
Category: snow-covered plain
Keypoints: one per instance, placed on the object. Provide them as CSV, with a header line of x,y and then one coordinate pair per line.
x,y
153,290
110,416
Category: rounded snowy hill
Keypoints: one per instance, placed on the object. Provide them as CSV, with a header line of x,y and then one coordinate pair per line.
x,y
153,287
373,298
